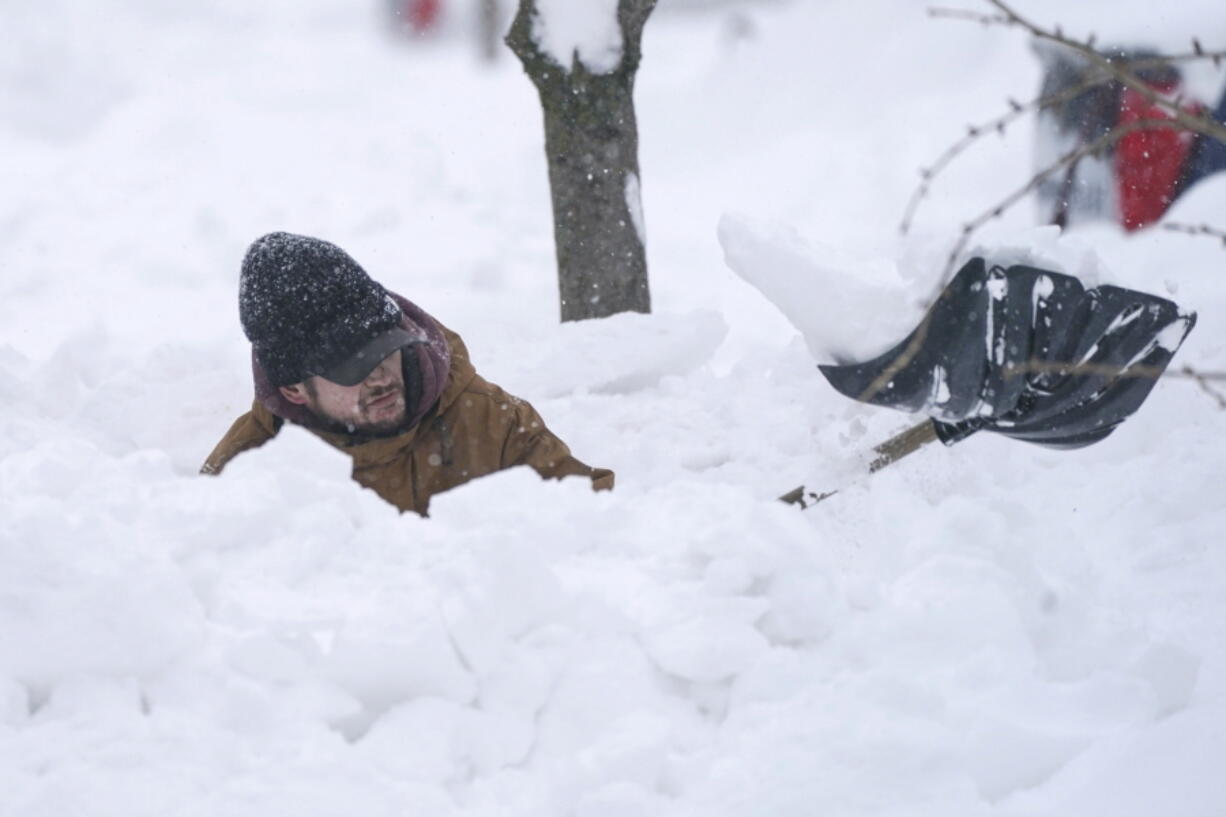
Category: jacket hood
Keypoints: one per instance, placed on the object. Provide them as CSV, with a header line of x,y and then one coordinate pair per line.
x,y
433,361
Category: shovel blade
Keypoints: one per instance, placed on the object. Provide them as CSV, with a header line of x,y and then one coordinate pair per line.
x,y
1024,352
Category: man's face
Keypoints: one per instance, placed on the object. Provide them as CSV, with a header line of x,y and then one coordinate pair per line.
x,y
376,406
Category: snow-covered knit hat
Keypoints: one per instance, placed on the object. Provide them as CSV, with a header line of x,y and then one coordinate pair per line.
x,y
307,307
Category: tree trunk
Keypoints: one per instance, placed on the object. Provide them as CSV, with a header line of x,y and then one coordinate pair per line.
x,y
591,143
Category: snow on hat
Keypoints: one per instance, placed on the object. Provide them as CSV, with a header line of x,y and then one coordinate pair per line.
x,y
307,307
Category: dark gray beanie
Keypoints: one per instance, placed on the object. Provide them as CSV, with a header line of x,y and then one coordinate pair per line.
x,y
306,306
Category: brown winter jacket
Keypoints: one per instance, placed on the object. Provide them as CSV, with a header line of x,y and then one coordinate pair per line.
x,y
474,429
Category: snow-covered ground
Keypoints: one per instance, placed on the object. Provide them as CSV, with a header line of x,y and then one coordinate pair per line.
x,y
992,629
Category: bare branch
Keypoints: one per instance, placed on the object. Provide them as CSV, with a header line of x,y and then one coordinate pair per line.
x,y
1068,159
966,14
1203,379
1108,370
632,15
1104,73
1197,53
1195,229
1199,123
524,45
1016,111
1188,371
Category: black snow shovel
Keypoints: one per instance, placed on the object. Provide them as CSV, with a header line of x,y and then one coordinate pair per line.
x,y
1024,352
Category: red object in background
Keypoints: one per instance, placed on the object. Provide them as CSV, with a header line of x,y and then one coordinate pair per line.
x,y
1148,162
421,15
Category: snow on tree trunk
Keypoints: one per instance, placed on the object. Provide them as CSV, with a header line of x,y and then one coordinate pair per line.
x,y
591,142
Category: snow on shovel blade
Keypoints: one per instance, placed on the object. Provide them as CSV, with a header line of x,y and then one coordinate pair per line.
x,y
1024,352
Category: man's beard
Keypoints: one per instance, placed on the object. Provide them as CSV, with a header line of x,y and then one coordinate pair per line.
x,y
362,425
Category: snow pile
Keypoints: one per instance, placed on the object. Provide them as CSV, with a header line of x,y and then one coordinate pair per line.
x,y
281,640
622,354
989,629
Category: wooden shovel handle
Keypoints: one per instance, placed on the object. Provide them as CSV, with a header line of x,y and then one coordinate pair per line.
x,y
890,451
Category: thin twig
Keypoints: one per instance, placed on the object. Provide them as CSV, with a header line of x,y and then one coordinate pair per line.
x,y
1197,53
1167,59
1189,372
1195,229
1202,379
975,132
1077,154
1199,123
966,14
1108,69
1017,110
1108,370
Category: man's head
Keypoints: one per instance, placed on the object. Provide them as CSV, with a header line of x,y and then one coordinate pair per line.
x,y
324,333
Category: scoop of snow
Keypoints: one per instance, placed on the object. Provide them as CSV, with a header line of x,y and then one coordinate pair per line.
x,y
846,309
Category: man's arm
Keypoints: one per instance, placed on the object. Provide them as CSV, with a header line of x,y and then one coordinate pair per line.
x,y
530,442
252,430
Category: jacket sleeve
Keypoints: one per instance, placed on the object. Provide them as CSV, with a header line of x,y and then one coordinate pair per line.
x,y
530,442
252,430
